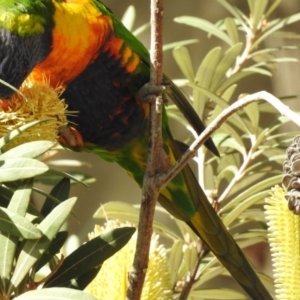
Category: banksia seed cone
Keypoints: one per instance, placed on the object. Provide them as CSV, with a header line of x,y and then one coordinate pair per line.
x,y
291,178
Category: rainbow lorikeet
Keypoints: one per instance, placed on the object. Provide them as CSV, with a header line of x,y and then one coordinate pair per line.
x,y
82,45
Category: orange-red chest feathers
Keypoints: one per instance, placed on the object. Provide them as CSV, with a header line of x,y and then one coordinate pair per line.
x,y
100,73
80,30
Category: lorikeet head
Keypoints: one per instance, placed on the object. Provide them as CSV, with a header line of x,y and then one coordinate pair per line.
x,y
25,39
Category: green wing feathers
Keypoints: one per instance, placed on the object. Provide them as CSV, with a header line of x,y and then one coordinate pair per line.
x,y
208,226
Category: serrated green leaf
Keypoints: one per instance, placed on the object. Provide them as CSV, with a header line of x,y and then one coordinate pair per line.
x,y
207,67
252,112
257,13
231,169
55,294
175,260
257,70
184,61
33,250
225,64
272,63
235,12
232,30
273,6
275,26
60,191
141,29
207,274
205,26
227,94
250,242
20,168
271,50
29,150
126,212
251,235
90,255
232,133
203,78
271,128
233,144
17,225
286,35
171,46
219,101
251,4
128,17
252,191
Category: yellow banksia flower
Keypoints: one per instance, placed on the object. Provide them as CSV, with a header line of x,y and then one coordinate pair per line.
x,y
40,102
284,240
111,281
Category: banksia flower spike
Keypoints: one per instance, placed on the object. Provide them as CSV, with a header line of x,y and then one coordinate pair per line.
x,y
33,102
111,281
282,214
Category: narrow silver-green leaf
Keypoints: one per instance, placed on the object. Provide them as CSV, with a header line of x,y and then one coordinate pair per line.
x,y
13,134
55,294
29,150
90,255
17,225
8,243
13,169
34,249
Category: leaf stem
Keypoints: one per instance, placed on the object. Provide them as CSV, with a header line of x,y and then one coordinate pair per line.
x,y
219,120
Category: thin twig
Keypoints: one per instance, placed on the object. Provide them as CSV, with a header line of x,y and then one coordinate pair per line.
x,y
203,251
218,121
156,155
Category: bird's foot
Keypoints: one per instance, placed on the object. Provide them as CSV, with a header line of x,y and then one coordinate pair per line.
x,y
149,91
70,137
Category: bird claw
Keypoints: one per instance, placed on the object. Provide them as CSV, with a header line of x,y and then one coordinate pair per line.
x,y
70,137
149,91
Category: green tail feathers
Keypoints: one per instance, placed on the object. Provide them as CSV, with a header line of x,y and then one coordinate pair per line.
x,y
205,222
